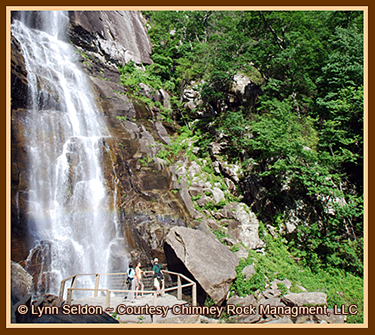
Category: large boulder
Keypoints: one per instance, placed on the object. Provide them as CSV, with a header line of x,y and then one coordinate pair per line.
x,y
210,262
21,281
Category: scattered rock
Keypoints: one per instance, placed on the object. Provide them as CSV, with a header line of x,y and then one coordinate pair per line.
x,y
302,319
242,252
306,298
332,318
252,318
301,288
241,301
203,200
217,194
271,293
284,319
286,282
248,271
231,171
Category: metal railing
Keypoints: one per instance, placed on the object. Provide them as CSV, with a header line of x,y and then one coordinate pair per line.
x,y
108,291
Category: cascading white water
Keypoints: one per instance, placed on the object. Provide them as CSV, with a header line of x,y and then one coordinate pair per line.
x,y
70,208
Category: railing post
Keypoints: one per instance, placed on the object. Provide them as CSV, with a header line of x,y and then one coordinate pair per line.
x,y
96,284
163,285
179,289
74,280
155,296
61,293
107,298
194,295
69,296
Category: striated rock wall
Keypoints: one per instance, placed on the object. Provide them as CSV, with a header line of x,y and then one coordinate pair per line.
x,y
114,36
147,208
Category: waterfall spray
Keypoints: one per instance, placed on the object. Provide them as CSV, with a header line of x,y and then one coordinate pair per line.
x,y
71,213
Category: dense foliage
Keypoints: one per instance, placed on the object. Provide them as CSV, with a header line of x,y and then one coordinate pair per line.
x,y
302,134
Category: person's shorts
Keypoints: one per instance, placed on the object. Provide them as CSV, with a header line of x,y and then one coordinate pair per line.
x,y
156,283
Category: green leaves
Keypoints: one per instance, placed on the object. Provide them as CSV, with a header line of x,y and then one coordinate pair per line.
x,y
303,138
345,63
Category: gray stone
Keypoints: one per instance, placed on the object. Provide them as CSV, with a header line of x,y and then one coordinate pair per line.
x,y
242,252
272,302
286,282
248,271
203,200
271,230
301,288
306,298
185,196
252,318
231,170
215,148
280,320
21,281
228,241
230,184
211,263
166,99
194,169
240,81
194,191
271,293
162,132
217,194
303,319
241,301
332,318
249,224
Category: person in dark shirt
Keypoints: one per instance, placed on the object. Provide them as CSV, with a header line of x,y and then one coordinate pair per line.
x,y
158,275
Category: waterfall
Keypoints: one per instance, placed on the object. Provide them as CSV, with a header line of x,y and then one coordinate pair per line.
x,y
71,210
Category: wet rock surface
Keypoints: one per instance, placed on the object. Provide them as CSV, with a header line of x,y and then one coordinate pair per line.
x,y
142,192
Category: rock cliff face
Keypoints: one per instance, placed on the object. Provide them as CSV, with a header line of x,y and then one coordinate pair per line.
x,y
151,197
113,36
147,207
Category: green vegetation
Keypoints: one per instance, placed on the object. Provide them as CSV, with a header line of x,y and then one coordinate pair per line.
x,y
300,133
132,76
341,287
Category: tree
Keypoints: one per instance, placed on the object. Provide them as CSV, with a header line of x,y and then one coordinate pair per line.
x,y
305,130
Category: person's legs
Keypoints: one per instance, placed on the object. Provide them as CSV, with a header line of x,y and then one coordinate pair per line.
x,y
157,285
136,288
131,294
142,288
162,286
